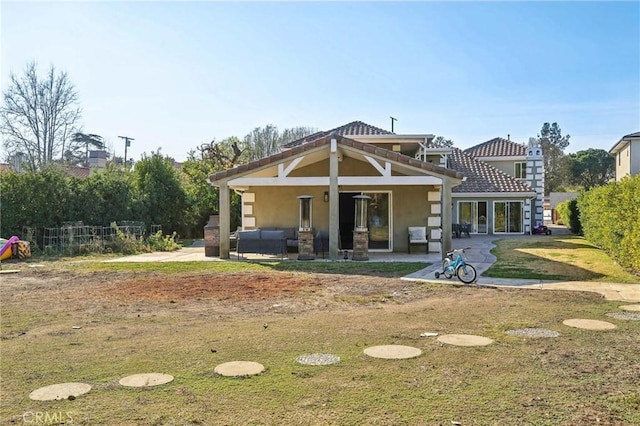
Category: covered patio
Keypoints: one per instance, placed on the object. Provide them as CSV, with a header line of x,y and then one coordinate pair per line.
x,y
331,171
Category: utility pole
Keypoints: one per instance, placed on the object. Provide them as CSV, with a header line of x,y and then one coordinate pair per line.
x,y
392,121
127,143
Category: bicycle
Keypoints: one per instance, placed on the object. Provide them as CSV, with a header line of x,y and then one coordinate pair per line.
x,y
455,265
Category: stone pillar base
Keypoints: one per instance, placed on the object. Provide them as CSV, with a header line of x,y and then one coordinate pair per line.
x,y
360,245
212,237
305,245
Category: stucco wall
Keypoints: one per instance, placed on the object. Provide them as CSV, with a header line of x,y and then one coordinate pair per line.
x,y
490,210
507,167
623,162
635,157
278,207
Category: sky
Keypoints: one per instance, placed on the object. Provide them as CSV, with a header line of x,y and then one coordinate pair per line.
x,y
175,75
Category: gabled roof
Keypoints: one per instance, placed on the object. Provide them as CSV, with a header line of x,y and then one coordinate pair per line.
x,y
482,177
355,128
497,147
326,140
623,141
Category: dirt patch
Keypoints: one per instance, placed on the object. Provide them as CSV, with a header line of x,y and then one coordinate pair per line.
x,y
237,286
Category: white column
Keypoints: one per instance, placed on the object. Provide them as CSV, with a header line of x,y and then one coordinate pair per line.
x,y
334,198
224,210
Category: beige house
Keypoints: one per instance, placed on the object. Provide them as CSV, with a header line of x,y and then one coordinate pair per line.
x,y
410,183
627,155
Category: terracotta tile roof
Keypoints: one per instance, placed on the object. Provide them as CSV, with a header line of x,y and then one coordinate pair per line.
x,y
355,128
497,147
78,171
326,140
482,177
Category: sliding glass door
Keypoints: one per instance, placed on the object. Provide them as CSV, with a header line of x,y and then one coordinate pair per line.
x,y
379,223
379,220
508,217
475,213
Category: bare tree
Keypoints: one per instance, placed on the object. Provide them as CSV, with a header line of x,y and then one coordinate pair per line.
x,y
225,154
39,116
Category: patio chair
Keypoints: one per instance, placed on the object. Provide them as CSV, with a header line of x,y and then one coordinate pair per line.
x,y
417,235
321,243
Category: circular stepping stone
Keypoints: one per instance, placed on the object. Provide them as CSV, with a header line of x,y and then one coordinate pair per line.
x,y
465,340
632,316
533,332
239,368
318,359
589,324
145,380
393,352
60,391
630,308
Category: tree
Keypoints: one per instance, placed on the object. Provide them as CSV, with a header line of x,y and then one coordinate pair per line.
x,y
225,154
295,133
553,145
592,167
39,115
263,142
75,155
159,194
441,142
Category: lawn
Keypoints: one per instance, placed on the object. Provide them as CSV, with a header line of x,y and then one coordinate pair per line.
x,y
556,258
184,320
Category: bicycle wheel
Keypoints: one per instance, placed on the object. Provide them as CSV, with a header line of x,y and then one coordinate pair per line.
x,y
466,273
446,268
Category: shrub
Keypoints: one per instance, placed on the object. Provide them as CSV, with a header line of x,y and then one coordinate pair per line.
x,y
570,215
126,243
610,219
158,242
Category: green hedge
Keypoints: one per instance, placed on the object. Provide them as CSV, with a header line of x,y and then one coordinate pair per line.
x,y
154,192
570,216
610,219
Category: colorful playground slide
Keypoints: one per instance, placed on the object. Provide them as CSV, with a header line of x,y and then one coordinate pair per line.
x,y
5,251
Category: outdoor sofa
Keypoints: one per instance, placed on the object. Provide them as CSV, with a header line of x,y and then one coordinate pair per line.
x,y
262,241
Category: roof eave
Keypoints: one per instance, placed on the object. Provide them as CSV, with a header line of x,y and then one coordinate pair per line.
x,y
506,194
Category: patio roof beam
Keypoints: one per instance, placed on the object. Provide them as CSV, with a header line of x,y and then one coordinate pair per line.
x,y
341,180
284,172
384,171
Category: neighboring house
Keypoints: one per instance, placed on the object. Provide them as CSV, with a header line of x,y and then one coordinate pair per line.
x,y
410,184
627,155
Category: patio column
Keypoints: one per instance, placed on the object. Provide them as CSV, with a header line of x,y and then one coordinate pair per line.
x,y
446,213
334,199
224,207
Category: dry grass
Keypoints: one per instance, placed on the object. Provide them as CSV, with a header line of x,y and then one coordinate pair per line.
x,y
581,377
556,258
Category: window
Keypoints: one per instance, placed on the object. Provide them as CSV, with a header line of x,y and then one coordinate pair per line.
x,y
521,170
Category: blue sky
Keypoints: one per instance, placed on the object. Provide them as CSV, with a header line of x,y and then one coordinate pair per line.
x,y
178,74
